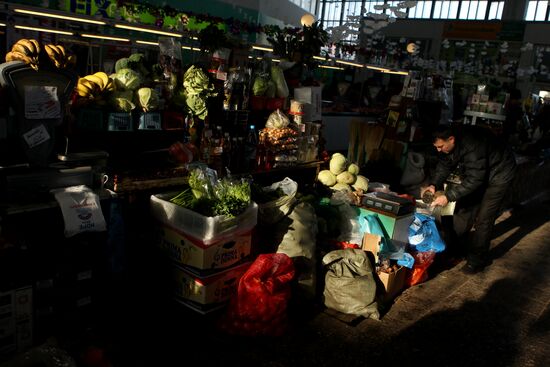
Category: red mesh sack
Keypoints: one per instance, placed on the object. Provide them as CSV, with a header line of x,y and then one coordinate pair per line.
x,y
260,304
419,272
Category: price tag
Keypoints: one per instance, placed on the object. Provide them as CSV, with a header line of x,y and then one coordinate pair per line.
x,y
36,136
41,102
220,75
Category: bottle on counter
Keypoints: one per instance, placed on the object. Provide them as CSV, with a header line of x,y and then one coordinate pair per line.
x,y
250,147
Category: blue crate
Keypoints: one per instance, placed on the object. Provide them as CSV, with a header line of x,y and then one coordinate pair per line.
x,y
149,121
120,121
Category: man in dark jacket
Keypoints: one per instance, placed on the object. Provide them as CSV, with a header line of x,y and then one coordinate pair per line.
x,y
478,168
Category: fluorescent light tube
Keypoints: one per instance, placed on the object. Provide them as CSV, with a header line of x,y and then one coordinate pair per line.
x,y
349,63
262,48
331,67
105,37
275,60
396,72
37,29
319,58
147,43
377,68
58,16
148,30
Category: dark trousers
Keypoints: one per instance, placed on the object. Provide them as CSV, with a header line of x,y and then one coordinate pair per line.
x,y
479,211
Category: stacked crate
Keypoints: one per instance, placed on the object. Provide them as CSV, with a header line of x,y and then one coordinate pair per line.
x,y
208,255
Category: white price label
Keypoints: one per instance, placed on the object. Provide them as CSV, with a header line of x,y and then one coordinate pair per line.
x,y
36,136
41,102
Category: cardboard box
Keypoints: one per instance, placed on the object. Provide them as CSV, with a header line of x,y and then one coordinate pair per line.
x,y
206,229
208,289
186,250
396,227
393,283
312,96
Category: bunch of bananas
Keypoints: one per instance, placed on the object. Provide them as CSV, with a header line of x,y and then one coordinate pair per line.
x,y
93,86
26,50
58,56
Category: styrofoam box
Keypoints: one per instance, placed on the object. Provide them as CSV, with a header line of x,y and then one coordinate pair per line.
x,y
186,250
206,229
215,288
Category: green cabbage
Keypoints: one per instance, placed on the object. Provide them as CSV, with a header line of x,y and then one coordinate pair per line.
x,y
121,64
338,163
127,79
121,101
326,178
147,99
197,105
260,86
196,82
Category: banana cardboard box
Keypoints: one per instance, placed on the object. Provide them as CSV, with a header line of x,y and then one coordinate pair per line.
x,y
186,250
215,288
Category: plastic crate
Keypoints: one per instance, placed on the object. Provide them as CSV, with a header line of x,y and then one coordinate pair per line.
x,y
120,121
91,119
206,229
149,121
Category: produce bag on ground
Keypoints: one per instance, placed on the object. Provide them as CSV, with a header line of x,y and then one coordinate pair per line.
x,y
273,211
423,234
260,305
350,287
419,272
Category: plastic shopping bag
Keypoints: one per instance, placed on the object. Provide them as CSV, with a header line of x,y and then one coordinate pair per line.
x,y
423,234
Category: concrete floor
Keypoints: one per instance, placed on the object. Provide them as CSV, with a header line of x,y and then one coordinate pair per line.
x,y
500,317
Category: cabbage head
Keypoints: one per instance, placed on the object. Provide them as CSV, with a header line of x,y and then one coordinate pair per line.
x,y
127,79
361,183
147,99
260,86
338,163
326,178
196,82
122,101
197,105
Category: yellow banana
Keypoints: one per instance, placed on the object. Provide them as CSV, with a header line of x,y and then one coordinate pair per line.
x,y
36,46
103,76
31,46
61,50
85,88
18,56
96,80
21,48
110,85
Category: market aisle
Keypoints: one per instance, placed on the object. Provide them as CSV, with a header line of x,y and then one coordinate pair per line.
x,y
500,317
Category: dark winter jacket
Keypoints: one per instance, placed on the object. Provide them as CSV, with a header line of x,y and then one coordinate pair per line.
x,y
479,159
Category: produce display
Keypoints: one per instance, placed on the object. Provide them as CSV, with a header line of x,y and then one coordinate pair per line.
x,y
211,198
342,175
26,50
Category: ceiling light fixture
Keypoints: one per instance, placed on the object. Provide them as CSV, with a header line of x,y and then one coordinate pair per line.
x,y
396,72
319,58
105,37
148,30
2,24
262,48
58,16
349,63
331,67
48,30
377,68
147,43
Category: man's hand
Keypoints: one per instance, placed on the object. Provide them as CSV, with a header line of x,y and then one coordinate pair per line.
x,y
425,189
440,200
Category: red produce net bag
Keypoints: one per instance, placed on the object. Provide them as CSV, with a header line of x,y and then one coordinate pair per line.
x,y
260,304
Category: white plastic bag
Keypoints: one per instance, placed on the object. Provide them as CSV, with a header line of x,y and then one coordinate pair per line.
x,y
81,210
